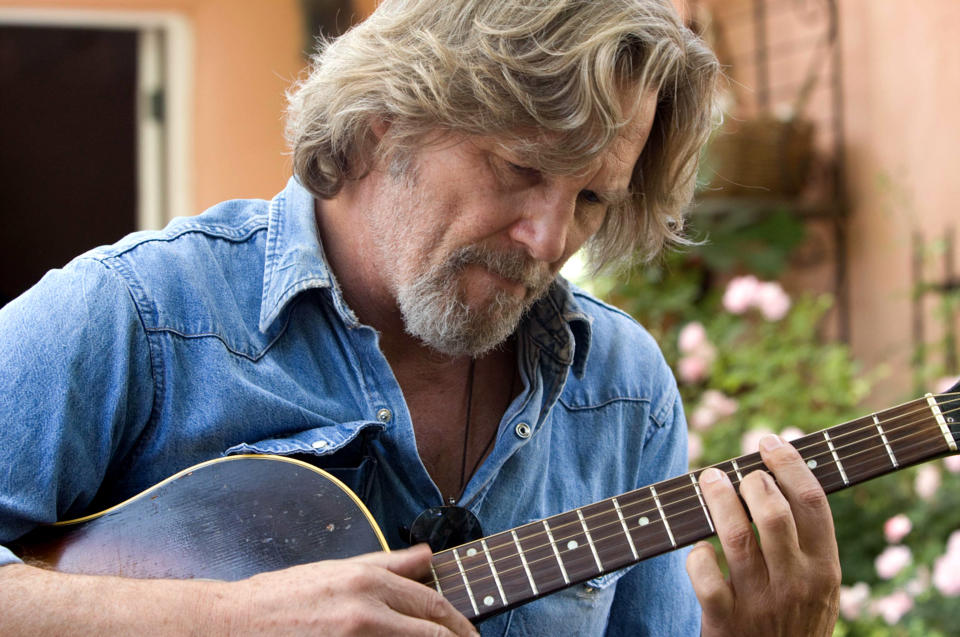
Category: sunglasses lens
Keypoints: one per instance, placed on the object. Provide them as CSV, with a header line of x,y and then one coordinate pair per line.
x,y
445,527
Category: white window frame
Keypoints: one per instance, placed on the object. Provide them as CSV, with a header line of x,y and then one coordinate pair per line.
x,y
165,64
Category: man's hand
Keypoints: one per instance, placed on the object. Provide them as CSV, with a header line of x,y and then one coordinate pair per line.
x,y
375,594
787,583
367,595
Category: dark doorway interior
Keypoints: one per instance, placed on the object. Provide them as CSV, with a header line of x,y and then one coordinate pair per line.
x,y
68,173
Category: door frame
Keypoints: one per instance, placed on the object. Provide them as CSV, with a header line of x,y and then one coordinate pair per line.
x,y
165,46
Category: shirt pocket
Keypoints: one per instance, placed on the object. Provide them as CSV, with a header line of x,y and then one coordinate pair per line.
x,y
341,450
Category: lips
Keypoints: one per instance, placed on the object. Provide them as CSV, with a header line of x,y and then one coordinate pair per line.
x,y
515,268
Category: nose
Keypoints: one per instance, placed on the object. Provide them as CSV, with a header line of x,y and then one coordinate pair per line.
x,y
543,225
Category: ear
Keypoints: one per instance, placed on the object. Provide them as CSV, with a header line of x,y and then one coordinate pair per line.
x,y
379,127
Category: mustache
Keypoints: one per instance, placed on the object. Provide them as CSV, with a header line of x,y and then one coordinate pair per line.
x,y
515,265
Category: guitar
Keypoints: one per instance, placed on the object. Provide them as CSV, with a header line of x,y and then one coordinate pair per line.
x,y
234,517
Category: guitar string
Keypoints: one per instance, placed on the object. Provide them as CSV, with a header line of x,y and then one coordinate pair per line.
x,y
644,501
562,551
616,523
751,466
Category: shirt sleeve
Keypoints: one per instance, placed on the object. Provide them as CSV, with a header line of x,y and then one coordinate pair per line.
x,y
670,607
76,384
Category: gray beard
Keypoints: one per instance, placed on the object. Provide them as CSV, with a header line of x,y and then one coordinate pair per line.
x,y
434,310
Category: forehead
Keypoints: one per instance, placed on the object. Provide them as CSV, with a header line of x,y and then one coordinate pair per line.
x,y
616,163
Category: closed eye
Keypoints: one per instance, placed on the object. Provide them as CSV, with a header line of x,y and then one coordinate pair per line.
x,y
525,171
590,197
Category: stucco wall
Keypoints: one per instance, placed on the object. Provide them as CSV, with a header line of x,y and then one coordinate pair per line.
x,y
246,52
902,90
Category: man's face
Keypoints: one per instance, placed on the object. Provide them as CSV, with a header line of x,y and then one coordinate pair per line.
x,y
470,237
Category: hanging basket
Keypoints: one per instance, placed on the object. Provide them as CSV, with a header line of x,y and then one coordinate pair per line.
x,y
762,157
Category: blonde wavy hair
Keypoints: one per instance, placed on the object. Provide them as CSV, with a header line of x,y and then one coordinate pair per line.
x,y
546,76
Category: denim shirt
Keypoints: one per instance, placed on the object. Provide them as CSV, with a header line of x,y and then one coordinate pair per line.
x,y
226,334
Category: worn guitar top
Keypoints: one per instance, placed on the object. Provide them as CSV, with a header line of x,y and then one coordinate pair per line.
x,y
225,333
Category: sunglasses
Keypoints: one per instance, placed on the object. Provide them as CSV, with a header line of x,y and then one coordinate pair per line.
x,y
443,527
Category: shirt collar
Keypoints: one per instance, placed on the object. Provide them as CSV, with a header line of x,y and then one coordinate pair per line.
x,y
560,327
294,262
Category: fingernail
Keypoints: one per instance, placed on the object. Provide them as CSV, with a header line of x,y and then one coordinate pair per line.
x,y
711,475
771,442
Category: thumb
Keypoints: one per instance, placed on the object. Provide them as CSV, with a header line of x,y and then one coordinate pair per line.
x,y
413,563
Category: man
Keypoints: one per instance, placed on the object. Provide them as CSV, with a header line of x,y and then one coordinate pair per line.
x,y
395,315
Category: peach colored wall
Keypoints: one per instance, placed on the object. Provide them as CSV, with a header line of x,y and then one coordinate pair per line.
x,y
902,81
246,54
901,90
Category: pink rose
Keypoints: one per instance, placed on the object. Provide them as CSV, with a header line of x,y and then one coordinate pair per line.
x,y
791,433
740,294
702,418
946,574
893,606
952,463
920,584
853,599
750,442
927,481
692,337
892,560
773,302
953,543
692,369
719,403
694,447
896,528
944,384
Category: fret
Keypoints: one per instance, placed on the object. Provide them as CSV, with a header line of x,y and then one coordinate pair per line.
x,y
436,580
644,524
556,552
512,579
526,566
913,432
574,546
450,579
496,576
593,548
935,408
609,534
836,458
736,470
479,571
466,583
626,531
816,453
886,443
678,500
540,558
499,572
703,505
663,516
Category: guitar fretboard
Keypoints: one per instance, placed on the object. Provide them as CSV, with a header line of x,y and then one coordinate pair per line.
x,y
496,573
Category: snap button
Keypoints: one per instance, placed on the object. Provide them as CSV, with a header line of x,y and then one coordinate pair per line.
x,y
319,444
384,415
523,430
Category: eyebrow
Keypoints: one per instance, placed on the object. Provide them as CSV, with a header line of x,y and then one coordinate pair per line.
x,y
613,197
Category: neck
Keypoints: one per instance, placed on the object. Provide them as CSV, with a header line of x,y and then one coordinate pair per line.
x,y
491,575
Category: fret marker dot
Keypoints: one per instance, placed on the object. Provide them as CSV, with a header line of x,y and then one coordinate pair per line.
x,y
812,464
488,600
471,552
572,544
644,521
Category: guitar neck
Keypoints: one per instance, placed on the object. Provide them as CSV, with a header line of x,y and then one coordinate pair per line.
x,y
491,575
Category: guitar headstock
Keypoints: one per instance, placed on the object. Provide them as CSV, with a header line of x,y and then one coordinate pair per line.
x,y
949,403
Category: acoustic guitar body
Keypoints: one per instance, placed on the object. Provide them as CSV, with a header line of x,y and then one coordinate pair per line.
x,y
226,519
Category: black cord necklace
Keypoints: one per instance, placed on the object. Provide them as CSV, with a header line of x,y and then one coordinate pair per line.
x,y
464,476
